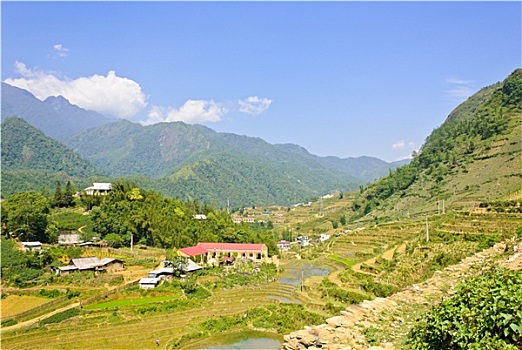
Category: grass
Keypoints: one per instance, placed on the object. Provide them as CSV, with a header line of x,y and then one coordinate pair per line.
x,y
344,261
129,302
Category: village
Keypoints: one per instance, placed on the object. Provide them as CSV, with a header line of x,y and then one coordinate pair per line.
x,y
188,259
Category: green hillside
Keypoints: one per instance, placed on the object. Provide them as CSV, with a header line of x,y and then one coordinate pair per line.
x,y
473,157
33,161
193,161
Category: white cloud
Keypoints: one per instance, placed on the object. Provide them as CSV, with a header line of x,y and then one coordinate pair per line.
x,y
60,51
459,88
200,111
254,105
401,145
109,95
192,112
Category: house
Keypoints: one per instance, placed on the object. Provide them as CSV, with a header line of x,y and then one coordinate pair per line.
x,y
91,264
30,246
98,188
303,240
238,220
283,246
71,239
199,217
148,282
168,271
324,237
162,273
217,251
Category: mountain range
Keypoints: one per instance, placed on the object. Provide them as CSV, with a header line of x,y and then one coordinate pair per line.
x,y
177,159
55,116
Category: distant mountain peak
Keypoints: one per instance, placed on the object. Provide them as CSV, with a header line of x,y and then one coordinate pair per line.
x,y
55,116
58,102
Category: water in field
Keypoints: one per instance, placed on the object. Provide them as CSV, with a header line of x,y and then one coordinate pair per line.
x,y
249,344
296,270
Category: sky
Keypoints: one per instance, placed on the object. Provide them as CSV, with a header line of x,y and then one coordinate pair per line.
x,y
338,78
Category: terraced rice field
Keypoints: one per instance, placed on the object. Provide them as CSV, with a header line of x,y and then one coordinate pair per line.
x,y
123,328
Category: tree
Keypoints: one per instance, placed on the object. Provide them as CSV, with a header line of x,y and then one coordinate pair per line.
x,y
68,195
179,264
114,240
26,216
58,195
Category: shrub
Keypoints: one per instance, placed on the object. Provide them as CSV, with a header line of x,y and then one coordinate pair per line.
x,y
8,323
485,313
49,293
379,289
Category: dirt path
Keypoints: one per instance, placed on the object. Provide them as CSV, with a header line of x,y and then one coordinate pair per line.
x,y
39,318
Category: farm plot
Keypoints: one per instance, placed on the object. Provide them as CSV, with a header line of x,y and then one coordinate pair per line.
x,y
13,305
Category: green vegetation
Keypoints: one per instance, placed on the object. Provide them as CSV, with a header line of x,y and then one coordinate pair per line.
x,y
470,134
25,217
129,302
242,274
19,267
485,313
158,221
61,316
280,318
25,147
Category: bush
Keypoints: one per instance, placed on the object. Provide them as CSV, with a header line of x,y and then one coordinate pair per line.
x,y
49,293
8,323
379,289
485,313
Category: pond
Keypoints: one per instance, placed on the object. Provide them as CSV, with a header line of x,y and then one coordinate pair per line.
x,y
249,344
246,340
296,270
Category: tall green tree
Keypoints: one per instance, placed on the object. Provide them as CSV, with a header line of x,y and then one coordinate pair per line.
x,y
58,195
25,216
68,195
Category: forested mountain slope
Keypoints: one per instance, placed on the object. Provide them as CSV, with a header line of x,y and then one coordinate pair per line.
x,y
31,160
125,148
474,156
193,161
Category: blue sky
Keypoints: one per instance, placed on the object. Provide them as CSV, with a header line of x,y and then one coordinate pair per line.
x,y
338,78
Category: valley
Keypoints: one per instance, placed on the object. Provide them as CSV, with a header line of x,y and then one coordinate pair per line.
x,y
360,261
370,265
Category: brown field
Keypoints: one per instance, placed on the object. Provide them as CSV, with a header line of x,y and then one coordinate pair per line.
x,y
15,304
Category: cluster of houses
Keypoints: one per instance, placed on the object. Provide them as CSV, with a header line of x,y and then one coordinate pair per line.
x,y
210,254
303,241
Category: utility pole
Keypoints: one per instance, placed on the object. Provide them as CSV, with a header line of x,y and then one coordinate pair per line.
x,y
132,241
443,210
427,233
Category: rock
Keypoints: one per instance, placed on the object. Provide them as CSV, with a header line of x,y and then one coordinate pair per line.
x,y
336,321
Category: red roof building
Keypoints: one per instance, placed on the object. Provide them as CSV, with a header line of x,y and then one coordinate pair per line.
x,y
231,250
